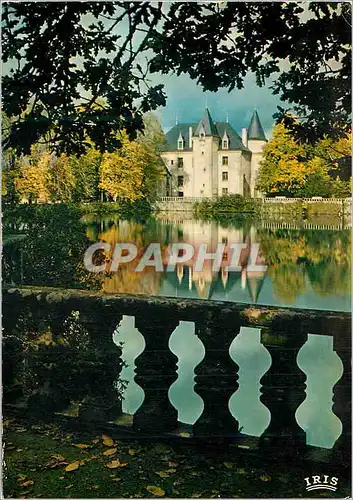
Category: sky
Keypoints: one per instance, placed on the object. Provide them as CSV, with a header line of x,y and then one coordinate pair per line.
x,y
186,102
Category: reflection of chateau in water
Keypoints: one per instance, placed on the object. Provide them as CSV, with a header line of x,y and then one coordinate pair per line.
x,y
306,268
208,284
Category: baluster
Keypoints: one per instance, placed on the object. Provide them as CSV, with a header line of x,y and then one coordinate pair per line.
x,y
12,308
12,349
342,404
156,370
216,375
102,365
49,361
282,391
12,368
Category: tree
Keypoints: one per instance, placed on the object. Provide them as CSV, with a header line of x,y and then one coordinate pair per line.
x,y
65,65
293,169
32,176
281,171
131,172
86,173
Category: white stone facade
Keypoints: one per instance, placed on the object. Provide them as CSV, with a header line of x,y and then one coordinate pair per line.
x,y
210,159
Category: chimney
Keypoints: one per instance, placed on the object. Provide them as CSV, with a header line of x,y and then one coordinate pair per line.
x,y
244,136
190,137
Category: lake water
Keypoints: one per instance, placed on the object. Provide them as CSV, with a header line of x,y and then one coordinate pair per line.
x,y
306,268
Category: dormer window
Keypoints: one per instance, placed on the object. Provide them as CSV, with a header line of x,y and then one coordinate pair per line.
x,y
202,133
225,141
180,142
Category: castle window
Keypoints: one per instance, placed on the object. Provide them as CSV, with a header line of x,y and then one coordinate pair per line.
x,y
225,240
180,144
180,162
224,191
180,181
224,160
202,137
225,144
224,176
172,162
180,194
202,152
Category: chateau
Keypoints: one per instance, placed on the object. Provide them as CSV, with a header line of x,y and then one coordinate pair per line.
x,y
209,158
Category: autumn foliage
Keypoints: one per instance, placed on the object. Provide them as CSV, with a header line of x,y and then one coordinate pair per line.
x,y
291,168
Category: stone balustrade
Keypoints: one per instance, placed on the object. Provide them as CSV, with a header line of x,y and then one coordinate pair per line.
x,y
61,343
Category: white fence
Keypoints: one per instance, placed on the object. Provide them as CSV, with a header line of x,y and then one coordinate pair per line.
x,y
181,199
278,199
315,199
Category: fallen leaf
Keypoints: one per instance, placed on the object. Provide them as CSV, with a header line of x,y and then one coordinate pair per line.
x,y
116,479
196,495
68,486
94,487
107,440
73,466
114,464
19,450
265,478
172,464
241,471
81,446
58,457
95,441
162,474
229,465
93,457
185,434
27,483
21,477
26,493
57,464
158,492
110,452
170,471
132,452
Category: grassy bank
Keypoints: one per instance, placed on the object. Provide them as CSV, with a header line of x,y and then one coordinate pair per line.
x,y
38,459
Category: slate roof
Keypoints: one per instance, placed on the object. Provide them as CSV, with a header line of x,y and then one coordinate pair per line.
x,y
212,128
208,124
255,130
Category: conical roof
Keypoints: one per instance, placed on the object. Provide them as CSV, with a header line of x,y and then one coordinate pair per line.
x,y
255,130
207,123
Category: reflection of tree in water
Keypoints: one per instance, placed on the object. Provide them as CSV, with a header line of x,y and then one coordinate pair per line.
x,y
324,257
288,281
52,251
125,279
329,279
